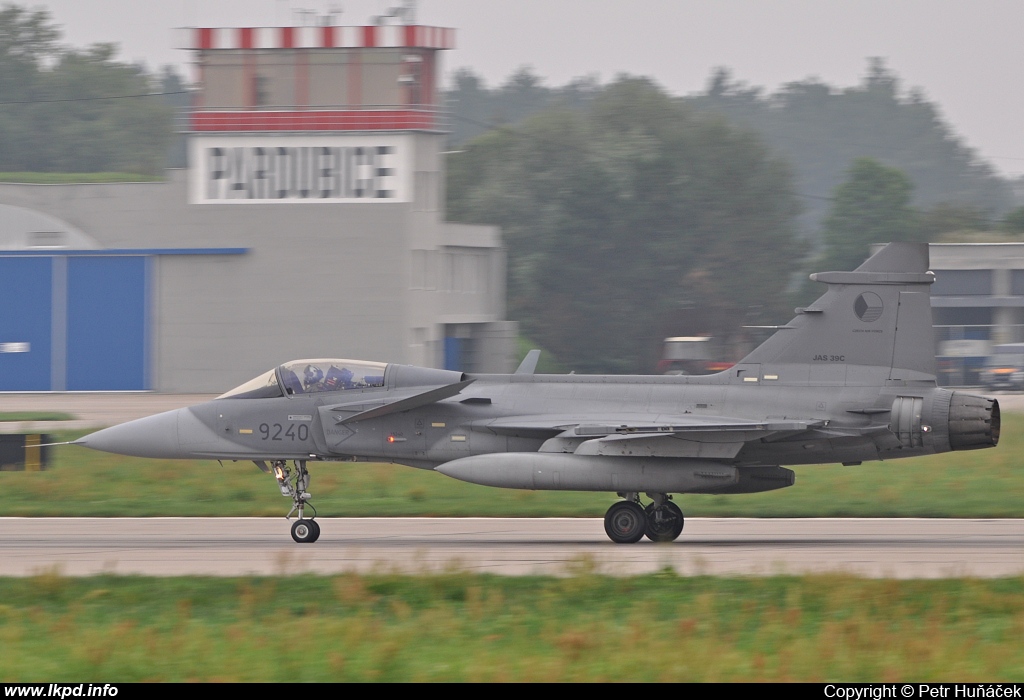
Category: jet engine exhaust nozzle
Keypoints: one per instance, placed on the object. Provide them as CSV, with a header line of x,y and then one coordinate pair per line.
x,y
973,422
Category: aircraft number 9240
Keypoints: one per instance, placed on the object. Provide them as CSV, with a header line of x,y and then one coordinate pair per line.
x,y
274,432
830,358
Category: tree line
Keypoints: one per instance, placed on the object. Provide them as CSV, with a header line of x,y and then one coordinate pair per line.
x,y
632,215
65,109
628,217
820,129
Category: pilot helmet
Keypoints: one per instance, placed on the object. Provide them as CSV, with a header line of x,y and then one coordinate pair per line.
x,y
313,374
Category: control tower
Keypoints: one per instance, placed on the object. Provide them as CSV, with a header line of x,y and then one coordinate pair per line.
x,y
329,114
349,118
308,223
316,113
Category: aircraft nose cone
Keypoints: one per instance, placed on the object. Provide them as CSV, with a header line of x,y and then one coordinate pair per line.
x,y
153,436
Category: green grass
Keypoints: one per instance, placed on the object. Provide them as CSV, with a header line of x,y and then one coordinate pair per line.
x,y
34,416
34,178
972,484
460,626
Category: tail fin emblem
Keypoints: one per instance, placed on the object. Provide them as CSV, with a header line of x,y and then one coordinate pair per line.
x,y
868,307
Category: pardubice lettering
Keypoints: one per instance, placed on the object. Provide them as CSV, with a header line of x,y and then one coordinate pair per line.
x,y
299,172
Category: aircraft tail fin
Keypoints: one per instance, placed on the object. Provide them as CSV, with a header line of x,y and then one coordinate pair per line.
x,y
877,317
529,363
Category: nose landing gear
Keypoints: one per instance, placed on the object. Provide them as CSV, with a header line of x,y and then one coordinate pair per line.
x,y
305,530
295,485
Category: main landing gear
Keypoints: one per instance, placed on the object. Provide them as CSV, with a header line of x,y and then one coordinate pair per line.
x,y
628,521
294,484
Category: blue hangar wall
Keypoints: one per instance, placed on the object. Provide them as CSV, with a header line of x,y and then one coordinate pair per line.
x,y
78,320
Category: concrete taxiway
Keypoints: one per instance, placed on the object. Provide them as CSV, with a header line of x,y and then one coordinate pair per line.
x,y
898,548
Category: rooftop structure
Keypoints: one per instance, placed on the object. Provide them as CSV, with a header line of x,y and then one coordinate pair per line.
x,y
321,78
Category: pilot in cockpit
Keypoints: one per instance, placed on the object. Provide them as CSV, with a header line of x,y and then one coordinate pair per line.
x,y
338,379
312,379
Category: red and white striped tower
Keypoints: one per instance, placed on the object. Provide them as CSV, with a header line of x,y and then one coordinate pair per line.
x,y
324,78
301,97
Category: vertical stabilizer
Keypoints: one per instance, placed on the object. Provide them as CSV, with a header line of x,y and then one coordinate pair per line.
x,y
529,363
871,324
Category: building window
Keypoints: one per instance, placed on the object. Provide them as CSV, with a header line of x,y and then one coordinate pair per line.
x,y
959,283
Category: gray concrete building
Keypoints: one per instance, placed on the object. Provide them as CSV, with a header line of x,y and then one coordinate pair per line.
x,y
977,303
309,223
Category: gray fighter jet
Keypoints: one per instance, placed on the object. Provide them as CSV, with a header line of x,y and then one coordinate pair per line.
x,y
851,378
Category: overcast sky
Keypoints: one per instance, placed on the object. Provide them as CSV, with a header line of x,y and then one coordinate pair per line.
x,y
966,55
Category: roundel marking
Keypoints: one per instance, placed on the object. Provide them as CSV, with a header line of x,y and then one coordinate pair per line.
x,y
868,307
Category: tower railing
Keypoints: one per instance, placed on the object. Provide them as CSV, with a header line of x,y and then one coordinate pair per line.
x,y
272,118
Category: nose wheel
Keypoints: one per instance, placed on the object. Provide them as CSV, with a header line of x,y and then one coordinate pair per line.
x,y
304,530
294,484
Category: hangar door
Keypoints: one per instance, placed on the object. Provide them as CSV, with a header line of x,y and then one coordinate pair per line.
x,y
25,323
77,323
106,323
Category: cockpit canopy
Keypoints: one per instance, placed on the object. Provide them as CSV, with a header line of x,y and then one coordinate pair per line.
x,y
311,377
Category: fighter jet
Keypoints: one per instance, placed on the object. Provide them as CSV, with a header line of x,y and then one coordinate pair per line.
x,y
851,378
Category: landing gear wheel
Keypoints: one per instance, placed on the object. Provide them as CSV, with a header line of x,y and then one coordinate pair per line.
x,y
625,522
295,485
664,523
305,531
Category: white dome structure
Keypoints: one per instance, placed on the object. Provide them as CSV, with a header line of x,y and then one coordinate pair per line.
x,y
25,229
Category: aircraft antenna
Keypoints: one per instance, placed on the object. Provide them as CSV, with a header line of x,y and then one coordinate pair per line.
x,y
404,13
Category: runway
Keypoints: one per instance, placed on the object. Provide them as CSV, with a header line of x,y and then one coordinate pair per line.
x,y
896,548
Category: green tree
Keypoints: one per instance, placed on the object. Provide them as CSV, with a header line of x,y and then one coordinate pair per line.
x,y
475,108
1014,221
822,128
74,110
871,206
126,134
949,217
819,128
27,40
619,215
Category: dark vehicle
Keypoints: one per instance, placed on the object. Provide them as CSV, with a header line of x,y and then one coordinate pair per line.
x,y
1004,368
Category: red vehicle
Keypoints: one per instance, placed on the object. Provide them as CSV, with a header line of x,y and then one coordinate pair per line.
x,y
692,354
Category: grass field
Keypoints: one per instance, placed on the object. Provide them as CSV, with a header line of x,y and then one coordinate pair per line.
x,y
34,416
75,178
972,484
469,627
